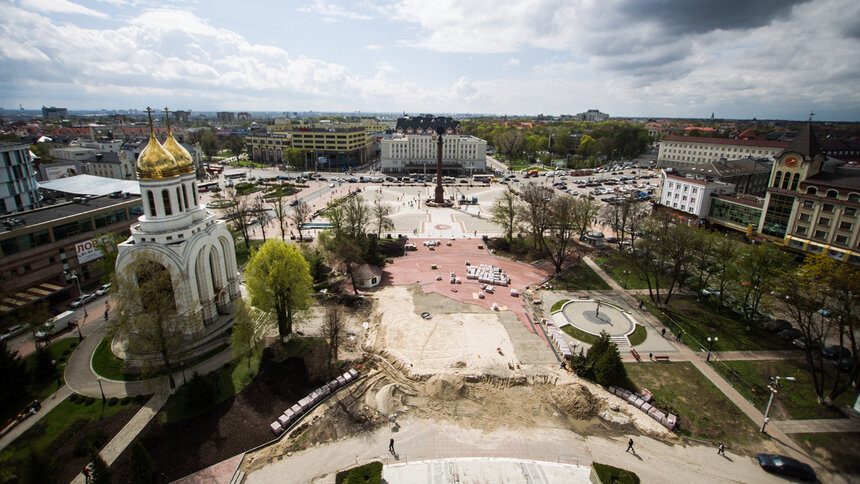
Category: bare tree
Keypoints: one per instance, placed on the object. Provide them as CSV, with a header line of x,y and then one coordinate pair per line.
x,y
300,215
280,207
262,213
246,332
562,230
534,213
505,212
333,332
147,314
240,214
382,217
583,211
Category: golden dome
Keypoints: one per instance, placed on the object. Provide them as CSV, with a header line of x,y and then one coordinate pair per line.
x,y
182,156
155,161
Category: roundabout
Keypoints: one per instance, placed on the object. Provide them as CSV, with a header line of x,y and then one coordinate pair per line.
x,y
593,316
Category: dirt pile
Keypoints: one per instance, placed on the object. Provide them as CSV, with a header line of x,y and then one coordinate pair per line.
x,y
445,387
575,400
387,399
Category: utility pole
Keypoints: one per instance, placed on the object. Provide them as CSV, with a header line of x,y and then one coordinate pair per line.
x,y
774,389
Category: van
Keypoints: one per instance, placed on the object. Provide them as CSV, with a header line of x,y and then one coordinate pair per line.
x,y
58,323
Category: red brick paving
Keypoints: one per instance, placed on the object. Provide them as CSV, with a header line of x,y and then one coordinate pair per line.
x,y
414,268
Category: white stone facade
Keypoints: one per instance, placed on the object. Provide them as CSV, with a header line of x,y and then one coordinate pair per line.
x,y
694,149
690,195
461,154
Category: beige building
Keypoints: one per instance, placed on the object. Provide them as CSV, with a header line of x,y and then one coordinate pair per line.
x,y
695,149
268,147
461,154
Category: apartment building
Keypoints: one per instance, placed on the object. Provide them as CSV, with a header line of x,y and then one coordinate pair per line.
x,y
696,149
18,188
461,154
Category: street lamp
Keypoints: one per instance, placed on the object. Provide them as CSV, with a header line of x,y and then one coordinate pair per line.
x,y
102,390
83,304
774,389
711,342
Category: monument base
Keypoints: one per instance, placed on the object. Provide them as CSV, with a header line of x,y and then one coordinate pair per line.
x,y
444,203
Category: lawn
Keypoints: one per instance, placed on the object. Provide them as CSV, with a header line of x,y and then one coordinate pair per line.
x,y
43,381
638,336
579,277
242,252
368,473
699,320
579,334
558,305
796,400
836,451
107,365
619,268
703,411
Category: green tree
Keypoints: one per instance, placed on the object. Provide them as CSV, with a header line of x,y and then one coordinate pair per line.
x,y
245,336
100,473
107,244
142,469
15,379
293,157
759,268
236,144
279,282
209,143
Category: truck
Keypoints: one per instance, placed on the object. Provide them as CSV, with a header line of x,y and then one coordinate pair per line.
x,y
56,324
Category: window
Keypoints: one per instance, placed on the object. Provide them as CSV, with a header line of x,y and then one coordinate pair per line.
x,y
800,230
824,221
179,200
804,217
850,212
151,201
777,179
185,196
820,234
786,180
841,239
165,198
853,197
808,204
811,190
845,225
795,181
72,228
832,194
827,207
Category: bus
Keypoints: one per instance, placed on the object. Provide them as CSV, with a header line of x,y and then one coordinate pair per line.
x,y
482,178
232,176
205,187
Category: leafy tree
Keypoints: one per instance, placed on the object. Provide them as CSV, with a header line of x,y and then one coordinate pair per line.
x,y
505,212
107,244
15,379
142,469
209,143
315,262
293,157
147,313
235,143
279,282
510,142
100,473
759,268
587,145
245,337
602,363
33,316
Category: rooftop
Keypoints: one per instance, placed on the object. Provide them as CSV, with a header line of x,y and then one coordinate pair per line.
x,y
727,141
58,211
91,185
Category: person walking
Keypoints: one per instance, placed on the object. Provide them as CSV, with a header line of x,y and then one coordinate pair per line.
x,y
721,449
664,332
630,446
391,446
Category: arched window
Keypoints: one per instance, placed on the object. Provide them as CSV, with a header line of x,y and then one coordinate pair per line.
x,y
179,200
151,201
811,191
832,194
795,181
165,199
777,179
786,180
185,196
853,197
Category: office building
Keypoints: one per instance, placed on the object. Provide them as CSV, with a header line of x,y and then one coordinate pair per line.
x,y
695,149
416,153
334,148
53,113
18,187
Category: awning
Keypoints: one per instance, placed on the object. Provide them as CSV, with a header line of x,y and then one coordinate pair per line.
x,y
29,295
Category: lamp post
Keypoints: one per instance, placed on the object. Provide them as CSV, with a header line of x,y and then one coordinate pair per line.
x,y
84,305
711,342
774,389
101,389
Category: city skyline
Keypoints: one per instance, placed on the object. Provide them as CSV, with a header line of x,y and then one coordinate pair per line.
x,y
655,58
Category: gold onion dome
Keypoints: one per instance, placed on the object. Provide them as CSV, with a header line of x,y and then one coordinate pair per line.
x,y
155,161
182,156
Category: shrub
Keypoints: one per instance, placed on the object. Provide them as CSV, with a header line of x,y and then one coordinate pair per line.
x,y
125,400
112,401
67,352
74,397
200,388
602,364
94,439
101,472
140,399
142,467
370,473
148,439
89,401
65,435
44,369
607,474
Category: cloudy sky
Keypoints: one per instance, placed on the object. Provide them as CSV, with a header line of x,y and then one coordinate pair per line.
x,y
689,58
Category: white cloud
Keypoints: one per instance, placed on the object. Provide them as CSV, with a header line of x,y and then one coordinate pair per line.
x,y
512,62
60,6
332,11
372,47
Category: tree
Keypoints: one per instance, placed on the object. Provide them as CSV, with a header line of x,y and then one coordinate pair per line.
x,y
15,379
583,211
505,212
602,363
40,468
147,315
300,215
332,332
279,282
534,213
262,215
33,316
293,156
348,252
239,213
280,207
236,144
209,143
142,469
676,255
382,217
759,268
562,230
107,244
510,142
100,473
587,145
245,337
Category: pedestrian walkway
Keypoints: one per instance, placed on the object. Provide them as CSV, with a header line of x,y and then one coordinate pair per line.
x,y
126,436
816,426
47,405
758,355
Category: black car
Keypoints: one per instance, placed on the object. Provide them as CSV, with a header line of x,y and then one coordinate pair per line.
x,y
786,466
790,334
835,352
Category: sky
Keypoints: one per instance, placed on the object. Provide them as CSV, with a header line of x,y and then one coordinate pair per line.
x,y
628,58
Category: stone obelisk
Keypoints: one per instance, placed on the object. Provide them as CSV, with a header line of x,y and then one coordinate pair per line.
x,y
440,193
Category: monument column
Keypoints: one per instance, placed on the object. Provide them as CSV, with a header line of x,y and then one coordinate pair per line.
x,y
440,193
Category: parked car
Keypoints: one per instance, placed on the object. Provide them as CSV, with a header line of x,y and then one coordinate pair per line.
x,y
834,352
12,332
786,466
790,334
85,298
103,290
800,343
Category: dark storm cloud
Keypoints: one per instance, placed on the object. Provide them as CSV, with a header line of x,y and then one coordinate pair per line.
x,y
703,16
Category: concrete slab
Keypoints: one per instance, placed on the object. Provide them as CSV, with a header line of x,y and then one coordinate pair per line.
x,y
483,470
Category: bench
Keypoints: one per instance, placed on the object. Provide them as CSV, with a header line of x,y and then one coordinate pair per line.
x,y
661,357
635,355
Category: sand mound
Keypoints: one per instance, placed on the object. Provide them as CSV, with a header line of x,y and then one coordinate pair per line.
x,y
386,399
574,400
445,387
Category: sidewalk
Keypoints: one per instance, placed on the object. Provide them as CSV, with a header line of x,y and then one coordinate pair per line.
x,y
47,405
818,425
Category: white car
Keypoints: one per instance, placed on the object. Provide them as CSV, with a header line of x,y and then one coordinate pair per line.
x,y
12,332
331,185
103,290
83,300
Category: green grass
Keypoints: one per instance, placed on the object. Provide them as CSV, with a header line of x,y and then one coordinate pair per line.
x,y
109,366
579,334
836,451
47,386
609,474
370,473
242,252
619,268
557,306
796,400
58,419
699,320
703,411
579,277
638,336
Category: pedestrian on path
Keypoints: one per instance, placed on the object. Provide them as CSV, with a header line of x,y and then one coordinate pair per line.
x,y
640,305
651,356
630,446
391,446
664,332
721,449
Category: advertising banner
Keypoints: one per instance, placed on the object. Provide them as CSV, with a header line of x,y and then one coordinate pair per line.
x,y
87,251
